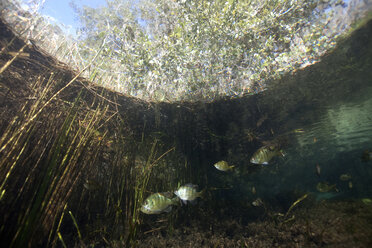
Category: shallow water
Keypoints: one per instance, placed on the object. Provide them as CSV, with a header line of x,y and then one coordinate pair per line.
x,y
325,120
335,142
320,114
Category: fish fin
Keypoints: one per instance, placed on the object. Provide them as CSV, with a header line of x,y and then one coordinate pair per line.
x,y
167,194
282,153
191,185
184,202
201,193
168,209
86,185
266,143
176,201
237,171
252,161
265,163
334,187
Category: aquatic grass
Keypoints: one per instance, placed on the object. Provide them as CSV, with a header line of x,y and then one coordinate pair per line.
x,y
8,44
13,141
54,158
9,62
16,140
38,109
33,213
60,177
57,229
295,203
140,189
108,198
20,51
74,165
61,156
27,114
125,183
282,219
76,226
61,239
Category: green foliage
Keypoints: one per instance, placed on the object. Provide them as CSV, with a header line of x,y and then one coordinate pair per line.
x,y
165,50
185,50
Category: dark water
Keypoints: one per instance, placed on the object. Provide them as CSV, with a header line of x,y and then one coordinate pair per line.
x,y
335,142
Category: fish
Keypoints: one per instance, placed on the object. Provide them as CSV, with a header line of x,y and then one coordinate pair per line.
x,y
345,177
366,156
262,120
367,201
325,187
258,202
253,190
91,184
188,192
158,203
223,166
350,184
299,130
264,154
317,169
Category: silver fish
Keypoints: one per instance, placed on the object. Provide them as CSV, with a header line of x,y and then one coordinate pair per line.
x,y
345,177
350,184
257,203
253,190
317,169
188,192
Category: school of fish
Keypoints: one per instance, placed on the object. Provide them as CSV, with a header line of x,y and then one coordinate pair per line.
x,y
158,203
162,202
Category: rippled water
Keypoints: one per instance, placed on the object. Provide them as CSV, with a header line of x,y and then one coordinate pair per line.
x,y
335,142
346,126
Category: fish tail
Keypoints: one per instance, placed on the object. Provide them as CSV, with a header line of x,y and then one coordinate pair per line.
x,y
176,201
202,193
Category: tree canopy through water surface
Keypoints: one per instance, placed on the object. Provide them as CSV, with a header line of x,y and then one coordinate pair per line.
x,y
168,50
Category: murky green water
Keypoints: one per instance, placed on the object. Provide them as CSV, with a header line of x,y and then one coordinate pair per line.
x,y
335,142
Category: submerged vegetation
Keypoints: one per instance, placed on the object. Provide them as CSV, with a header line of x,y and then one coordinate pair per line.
x,y
78,162
56,137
